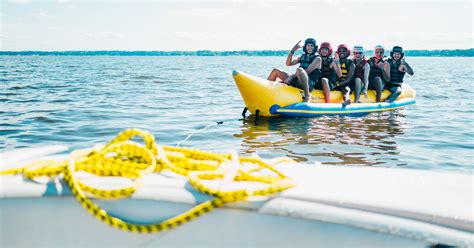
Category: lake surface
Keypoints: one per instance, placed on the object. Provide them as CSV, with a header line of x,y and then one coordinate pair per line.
x,y
80,101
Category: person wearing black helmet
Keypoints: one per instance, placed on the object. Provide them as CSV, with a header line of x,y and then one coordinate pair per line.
x,y
379,72
307,74
398,68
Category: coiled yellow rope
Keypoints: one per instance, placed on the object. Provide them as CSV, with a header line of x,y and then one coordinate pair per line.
x,y
125,158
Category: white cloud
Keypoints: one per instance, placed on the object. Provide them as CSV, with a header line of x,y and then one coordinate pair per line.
x,y
102,36
18,1
41,15
54,29
184,35
205,12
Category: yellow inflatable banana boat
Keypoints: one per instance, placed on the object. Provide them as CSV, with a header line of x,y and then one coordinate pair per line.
x,y
274,98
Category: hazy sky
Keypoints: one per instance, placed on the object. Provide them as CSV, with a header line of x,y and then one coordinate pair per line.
x,y
231,25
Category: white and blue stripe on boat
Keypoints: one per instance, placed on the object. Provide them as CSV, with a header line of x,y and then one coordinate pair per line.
x,y
318,109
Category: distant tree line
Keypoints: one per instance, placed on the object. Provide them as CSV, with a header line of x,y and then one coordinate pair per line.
x,y
412,53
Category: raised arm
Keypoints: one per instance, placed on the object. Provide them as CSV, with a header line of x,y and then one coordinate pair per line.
x,y
409,70
290,60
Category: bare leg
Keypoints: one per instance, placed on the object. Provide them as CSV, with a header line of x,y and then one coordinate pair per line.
x,y
346,97
277,74
358,88
303,80
378,88
326,89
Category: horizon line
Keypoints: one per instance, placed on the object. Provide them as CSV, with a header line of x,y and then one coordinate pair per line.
x,y
207,50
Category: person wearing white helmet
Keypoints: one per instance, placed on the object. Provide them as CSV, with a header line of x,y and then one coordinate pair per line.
x,y
379,71
360,80
307,74
397,67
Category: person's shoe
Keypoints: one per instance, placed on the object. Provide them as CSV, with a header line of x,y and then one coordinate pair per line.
x,y
346,102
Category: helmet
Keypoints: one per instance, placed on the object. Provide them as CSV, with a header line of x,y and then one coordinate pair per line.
x,y
379,47
325,45
312,41
344,46
397,49
358,49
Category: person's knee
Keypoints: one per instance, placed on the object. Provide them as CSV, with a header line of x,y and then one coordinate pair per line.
x,y
397,90
324,81
300,71
379,85
276,70
358,82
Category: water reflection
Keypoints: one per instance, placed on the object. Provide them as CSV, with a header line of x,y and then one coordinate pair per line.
x,y
335,140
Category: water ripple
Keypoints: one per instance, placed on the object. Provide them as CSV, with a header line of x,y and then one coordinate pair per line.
x,y
80,101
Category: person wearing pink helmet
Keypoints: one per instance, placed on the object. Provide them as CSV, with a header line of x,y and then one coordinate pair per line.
x,y
347,67
329,71
307,74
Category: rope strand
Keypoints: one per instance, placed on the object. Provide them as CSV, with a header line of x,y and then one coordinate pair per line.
x,y
125,158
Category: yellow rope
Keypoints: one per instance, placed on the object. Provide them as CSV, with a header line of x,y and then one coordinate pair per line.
x,y
125,158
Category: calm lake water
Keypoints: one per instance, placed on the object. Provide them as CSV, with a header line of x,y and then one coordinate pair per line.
x,y
80,101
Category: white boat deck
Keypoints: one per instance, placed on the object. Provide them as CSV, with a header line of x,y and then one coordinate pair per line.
x,y
331,206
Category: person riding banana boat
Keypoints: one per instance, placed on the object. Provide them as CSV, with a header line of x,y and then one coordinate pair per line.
x,y
397,67
330,71
347,67
379,72
360,80
307,74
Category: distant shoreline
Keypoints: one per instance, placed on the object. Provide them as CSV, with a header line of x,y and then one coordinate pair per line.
x,y
263,53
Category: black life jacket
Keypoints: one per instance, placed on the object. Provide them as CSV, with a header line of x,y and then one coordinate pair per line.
x,y
305,61
396,76
374,70
359,69
327,71
345,66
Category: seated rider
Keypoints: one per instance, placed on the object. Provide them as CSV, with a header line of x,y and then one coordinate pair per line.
x,y
329,71
379,71
347,68
398,68
360,80
307,74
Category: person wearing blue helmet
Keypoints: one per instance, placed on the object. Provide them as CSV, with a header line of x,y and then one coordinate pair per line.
x,y
307,74
398,68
